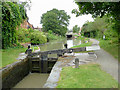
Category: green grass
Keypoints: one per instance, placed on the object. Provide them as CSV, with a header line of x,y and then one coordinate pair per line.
x,y
81,38
84,51
86,76
83,45
9,55
111,48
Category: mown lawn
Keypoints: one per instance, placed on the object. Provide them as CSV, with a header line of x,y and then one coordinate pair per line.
x,y
9,55
83,45
86,76
111,48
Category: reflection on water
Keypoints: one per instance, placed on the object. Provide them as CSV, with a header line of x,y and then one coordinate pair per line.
x,y
59,44
70,43
56,44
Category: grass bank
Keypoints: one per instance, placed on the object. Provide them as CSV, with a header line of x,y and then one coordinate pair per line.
x,y
83,45
86,76
9,55
85,42
111,48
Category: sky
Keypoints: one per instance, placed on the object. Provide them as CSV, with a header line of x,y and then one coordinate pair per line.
x,y
38,7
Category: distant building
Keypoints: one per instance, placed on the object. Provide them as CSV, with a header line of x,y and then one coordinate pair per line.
x,y
38,28
26,25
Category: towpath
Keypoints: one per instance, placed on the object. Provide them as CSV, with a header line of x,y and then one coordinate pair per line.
x,y
108,62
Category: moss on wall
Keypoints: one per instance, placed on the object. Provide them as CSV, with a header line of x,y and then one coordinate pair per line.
x,y
15,72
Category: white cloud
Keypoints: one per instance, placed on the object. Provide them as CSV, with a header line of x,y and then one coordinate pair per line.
x,y
42,6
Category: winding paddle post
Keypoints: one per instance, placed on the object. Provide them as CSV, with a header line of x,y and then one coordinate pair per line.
x,y
76,62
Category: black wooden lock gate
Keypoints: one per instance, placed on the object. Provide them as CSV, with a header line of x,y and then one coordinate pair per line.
x,y
41,63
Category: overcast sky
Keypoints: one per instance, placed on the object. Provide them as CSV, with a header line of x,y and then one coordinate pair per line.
x,y
42,6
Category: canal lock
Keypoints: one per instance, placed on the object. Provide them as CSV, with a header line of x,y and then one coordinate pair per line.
x,y
43,63
18,74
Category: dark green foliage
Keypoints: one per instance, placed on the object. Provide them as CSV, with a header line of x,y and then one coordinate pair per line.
x,y
100,9
76,29
55,20
99,27
111,35
12,16
111,46
0,24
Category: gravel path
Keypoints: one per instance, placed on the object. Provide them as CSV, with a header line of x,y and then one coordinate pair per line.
x,y
108,62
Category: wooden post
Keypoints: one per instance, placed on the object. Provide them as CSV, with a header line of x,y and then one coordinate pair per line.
x,y
76,63
40,69
59,55
29,51
44,62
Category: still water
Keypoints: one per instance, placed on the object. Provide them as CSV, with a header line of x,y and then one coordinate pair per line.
x,y
59,44
37,80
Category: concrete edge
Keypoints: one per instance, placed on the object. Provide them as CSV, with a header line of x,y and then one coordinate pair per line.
x,y
54,76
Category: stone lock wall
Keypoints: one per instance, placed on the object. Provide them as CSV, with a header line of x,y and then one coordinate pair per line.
x,y
15,72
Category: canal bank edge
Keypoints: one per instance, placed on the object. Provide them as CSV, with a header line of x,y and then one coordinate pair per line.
x,y
65,61
15,72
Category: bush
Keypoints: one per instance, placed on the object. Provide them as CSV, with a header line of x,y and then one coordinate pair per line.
x,y
30,35
37,37
109,34
51,36
22,34
27,40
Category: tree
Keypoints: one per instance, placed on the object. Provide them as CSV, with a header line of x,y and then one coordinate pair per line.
x,y
12,15
99,25
76,29
100,9
55,20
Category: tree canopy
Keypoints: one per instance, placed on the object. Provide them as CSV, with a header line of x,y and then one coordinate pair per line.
x,y
76,29
12,16
100,9
56,21
100,27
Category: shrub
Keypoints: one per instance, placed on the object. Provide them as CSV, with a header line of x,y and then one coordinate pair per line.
x,y
30,35
109,34
51,36
37,37
23,35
